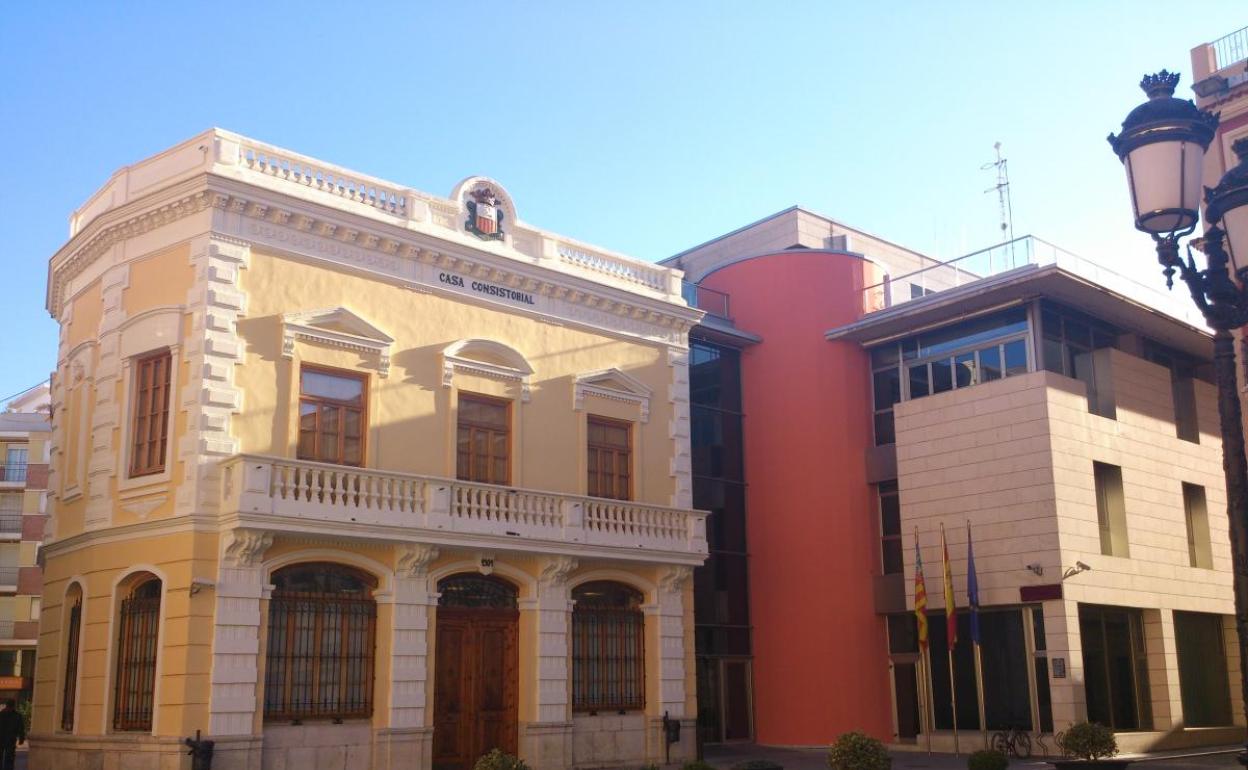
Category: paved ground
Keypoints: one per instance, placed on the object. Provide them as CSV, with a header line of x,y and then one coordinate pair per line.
x,y
815,759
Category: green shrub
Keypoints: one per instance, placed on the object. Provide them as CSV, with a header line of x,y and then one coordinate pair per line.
x,y
696,764
987,759
858,751
1089,740
497,760
758,764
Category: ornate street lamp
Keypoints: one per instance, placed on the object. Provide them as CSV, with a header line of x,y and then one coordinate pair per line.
x,y
1162,145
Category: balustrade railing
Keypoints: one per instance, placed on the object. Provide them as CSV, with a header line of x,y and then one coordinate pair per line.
x,y
641,273
305,172
309,491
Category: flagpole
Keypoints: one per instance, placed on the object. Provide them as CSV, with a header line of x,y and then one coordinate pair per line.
x,y
953,702
929,699
979,689
925,711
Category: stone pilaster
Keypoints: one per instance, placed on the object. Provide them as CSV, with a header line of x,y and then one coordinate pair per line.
x,y
212,349
546,742
405,742
678,429
234,698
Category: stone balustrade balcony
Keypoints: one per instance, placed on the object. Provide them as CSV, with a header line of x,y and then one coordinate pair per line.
x,y
300,496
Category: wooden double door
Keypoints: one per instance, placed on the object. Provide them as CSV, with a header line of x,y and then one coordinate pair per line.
x,y
475,685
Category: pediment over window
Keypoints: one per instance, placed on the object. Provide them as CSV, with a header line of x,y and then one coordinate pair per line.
x,y
615,385
339,328
486,358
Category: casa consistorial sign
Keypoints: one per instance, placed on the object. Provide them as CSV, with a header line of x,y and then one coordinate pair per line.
x,y
482,277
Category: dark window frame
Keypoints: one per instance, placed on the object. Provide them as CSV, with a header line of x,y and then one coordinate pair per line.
x,y
138,640
149,420
321,405
602,681
619,455
287,658
489,431
69,688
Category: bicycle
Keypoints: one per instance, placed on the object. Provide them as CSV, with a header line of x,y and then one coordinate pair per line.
x,y
1015,742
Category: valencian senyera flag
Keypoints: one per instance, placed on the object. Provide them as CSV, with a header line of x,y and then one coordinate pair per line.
x,y
972,586
951,619
920,595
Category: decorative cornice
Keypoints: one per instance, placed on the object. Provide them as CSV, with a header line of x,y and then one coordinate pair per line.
x,y
309,326
613,306
99,237
600,384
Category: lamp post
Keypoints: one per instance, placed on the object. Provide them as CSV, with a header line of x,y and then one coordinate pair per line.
x,y
1162,146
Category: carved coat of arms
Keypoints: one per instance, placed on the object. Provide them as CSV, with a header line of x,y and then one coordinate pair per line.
x,y
485,214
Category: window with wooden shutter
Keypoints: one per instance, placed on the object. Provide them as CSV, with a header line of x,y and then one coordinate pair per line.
x,y
137,639
608,648
150,424
322,635
609,462
483,441
332,416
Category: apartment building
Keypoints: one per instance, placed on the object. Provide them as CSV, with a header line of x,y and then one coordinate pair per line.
x,y
24,447
1057,411
349,475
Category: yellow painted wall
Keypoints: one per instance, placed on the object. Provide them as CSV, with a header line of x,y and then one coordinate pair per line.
x,y
412,421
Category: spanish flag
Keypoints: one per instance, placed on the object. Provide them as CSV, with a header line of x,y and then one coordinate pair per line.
x,y
920,595
951,620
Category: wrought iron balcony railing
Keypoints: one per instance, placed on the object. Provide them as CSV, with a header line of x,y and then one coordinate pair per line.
x,y
13,472
298,495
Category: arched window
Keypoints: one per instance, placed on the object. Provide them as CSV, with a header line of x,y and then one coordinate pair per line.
x,y
73,629
608,648
137,640
322,635
471,590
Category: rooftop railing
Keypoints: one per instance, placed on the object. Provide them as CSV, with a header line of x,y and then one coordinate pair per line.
x,y
1027,251
712,301
1231,48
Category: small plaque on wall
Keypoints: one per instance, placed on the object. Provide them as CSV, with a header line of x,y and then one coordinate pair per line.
x,y
1059,667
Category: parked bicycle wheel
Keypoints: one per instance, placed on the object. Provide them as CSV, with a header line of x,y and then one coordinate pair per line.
x,y
1022,744
1001,742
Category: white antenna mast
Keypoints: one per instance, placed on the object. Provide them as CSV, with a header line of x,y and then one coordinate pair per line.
x,y
1002,188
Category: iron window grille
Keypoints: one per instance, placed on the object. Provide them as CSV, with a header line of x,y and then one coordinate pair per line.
x,y
136,658
321,647
608,648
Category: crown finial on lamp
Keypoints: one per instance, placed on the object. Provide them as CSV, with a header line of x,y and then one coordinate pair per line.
x,y
1160,85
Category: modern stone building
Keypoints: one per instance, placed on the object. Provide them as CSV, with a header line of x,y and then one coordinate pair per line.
x,y
349,475
1059,411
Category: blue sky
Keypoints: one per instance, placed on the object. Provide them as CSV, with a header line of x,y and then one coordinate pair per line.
x,y
645,127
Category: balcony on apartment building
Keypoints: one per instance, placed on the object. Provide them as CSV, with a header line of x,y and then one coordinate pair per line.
x,y
13,474
285,495
1219,66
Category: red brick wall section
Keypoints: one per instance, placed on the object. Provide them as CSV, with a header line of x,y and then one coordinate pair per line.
x,y
37,476
26,629
33,527
29,581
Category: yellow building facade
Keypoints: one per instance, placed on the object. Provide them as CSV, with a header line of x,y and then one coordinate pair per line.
x,y
348,475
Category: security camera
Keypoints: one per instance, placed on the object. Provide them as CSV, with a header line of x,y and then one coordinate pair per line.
x,y
199,584
1082,567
